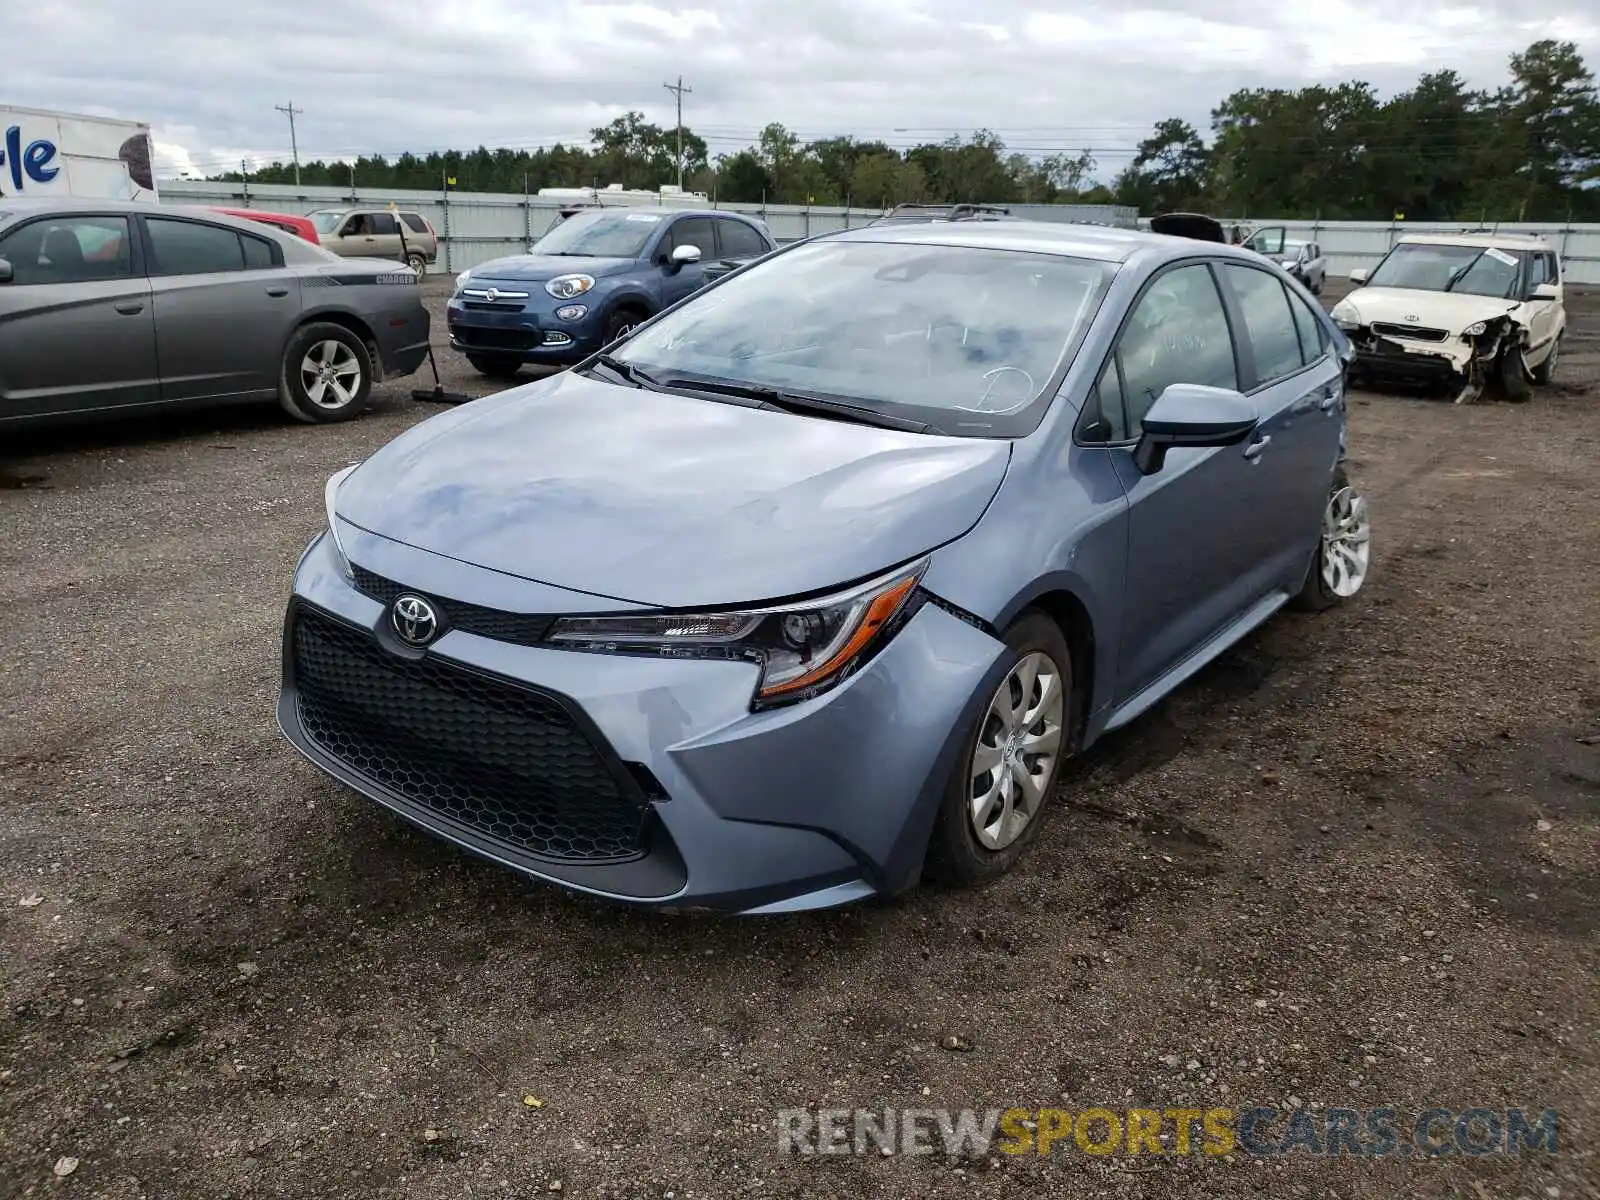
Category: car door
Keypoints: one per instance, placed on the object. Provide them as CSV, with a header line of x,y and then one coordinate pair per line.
x,y
738,243
1298,390
384,239
1268,240
679,281
1194,525
224,305
1541,313
76,329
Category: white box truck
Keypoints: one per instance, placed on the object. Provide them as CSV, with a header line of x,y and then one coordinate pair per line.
x,y
45,153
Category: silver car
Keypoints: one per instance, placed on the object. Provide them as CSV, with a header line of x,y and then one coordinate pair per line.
x,y
112,308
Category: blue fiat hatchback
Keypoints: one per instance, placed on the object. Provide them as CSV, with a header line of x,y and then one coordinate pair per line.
x,y
808,587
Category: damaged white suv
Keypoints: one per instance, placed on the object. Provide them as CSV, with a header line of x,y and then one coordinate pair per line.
x,y
1469,309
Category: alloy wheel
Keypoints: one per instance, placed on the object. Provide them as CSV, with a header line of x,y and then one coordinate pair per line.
x,y
331,374
1346,542
1015,757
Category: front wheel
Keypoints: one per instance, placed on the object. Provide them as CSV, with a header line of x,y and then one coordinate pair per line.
x,y
326,374
999,794
1344,549
1514,376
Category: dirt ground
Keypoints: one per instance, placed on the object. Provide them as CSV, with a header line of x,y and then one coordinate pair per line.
x,y
1355,863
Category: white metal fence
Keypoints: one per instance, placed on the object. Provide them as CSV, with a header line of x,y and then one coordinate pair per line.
x,y
477,226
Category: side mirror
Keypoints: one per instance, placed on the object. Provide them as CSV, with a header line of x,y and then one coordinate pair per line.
x,y
684,255
1190,414
6,274
1544,291
1359,276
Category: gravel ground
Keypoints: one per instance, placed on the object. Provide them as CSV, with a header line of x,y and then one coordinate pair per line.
x,y
1355,863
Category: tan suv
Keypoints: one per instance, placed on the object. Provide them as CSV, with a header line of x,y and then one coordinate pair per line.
x,y
375,233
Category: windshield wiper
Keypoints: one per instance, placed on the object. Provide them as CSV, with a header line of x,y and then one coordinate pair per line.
x,y
804,402
629,372
1462,272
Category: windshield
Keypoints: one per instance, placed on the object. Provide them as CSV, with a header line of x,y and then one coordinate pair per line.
x,y
326,220
959,337
614,234
1470,270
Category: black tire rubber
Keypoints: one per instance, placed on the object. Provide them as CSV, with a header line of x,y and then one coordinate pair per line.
x,y
955,858
1314,595
495,367
1545,371
620,319
419,264
292,397
1511,377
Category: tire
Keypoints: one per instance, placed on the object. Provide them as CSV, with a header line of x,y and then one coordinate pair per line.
x,y
1513,379
622,321
345,354
419,264
956,854
494,367
1345,525
1545,372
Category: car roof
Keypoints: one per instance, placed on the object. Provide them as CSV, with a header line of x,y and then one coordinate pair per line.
x,y
1510,241
1105,243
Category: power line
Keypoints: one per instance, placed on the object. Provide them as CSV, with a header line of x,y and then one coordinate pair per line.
x,y
293,141
678,91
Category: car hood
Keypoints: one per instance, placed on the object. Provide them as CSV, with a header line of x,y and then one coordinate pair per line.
x,y
668,501
536,268
1414,306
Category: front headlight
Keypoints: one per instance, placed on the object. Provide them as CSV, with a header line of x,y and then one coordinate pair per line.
x,y
461,279
1346,318
565,287
1473,330
329,494
803,649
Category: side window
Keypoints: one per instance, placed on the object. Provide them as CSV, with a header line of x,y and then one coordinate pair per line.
x,y
1178,333
69,250
190,248
739,240
1111,422
693,231
414,222
1268,322
1552,267
354,226
258,254
1313,334
382,225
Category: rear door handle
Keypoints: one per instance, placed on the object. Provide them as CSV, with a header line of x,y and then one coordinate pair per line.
x,y
277,290
130,308
1254,449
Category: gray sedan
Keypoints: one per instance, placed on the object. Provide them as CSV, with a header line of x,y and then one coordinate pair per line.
x,y
113,308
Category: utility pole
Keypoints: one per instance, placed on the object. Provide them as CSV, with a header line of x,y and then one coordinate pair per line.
x,y
679,90
294,145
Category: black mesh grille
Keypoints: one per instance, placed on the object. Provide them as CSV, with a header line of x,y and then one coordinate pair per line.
x,y
497,339
525,629
508,762
1417,333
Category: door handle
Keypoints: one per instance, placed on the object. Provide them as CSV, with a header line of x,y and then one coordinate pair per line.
x,y
1331,396
277,290
130,308
1254,449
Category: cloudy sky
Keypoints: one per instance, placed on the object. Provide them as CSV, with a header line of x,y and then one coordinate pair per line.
x,y
391,76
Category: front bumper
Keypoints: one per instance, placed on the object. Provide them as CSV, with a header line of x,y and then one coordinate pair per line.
x,y
809,806
533,334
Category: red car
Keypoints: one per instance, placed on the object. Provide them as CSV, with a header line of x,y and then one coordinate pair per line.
x,y
287,222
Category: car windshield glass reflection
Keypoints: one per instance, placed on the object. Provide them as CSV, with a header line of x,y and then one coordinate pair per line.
x,y
1469,270
930,329
601,235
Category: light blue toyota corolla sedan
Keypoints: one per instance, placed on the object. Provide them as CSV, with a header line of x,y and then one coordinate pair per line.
x,y
807,587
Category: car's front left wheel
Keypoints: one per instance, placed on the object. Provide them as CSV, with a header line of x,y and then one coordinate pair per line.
x,y
997,798
326,375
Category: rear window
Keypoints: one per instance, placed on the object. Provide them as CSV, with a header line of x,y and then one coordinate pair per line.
x,y
414,222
